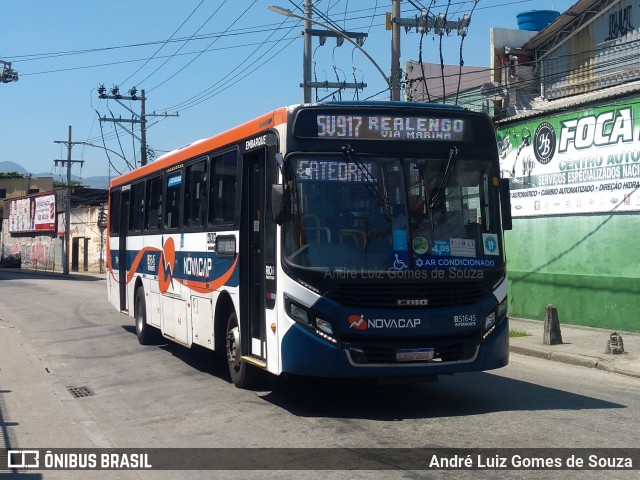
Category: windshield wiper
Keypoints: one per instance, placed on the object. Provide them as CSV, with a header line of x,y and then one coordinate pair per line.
x,y
446,176
374,190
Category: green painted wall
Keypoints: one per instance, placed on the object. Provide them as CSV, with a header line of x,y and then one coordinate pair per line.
x,y
588,266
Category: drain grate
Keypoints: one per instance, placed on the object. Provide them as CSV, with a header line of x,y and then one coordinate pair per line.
x,y
79,392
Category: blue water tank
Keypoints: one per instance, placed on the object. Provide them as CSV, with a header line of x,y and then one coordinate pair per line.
x,y
536,19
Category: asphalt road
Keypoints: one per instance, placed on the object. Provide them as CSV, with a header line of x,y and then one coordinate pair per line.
x,y
167,396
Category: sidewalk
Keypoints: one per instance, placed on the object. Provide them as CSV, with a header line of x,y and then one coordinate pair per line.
x,y
72,275
584,346
36,411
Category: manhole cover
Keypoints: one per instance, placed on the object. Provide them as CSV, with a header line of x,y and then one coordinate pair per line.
x,y
79,392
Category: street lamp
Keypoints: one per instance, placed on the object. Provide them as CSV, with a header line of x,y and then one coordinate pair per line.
x,y
288,13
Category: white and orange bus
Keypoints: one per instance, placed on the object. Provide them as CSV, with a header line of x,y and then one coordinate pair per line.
x,y
341,239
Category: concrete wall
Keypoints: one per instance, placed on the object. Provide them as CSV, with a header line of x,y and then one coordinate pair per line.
x,y
576,214
46,252
587,266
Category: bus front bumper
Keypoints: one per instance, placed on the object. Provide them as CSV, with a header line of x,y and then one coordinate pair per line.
x,y
304,353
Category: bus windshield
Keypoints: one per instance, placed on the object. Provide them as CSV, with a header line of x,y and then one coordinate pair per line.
x,y
381,213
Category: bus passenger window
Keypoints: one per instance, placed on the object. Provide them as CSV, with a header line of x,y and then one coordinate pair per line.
x,y
222,190
153,210
114,213
136,207
195,194
172,203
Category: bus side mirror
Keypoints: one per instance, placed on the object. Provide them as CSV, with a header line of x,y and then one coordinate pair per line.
x,y
505,204
281,203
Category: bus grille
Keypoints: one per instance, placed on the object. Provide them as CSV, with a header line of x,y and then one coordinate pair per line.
x,y
383,351
388,295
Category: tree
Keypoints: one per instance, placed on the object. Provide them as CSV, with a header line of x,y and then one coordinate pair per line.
x,y
11,175
74,183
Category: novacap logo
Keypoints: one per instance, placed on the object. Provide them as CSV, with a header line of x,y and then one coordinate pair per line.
x,y
358,322
167,265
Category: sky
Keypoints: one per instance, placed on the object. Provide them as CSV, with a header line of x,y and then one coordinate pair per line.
x,y
214,63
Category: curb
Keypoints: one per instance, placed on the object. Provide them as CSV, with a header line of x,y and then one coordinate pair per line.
x,y
572,359
49,273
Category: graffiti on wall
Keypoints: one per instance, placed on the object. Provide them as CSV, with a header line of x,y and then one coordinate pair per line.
x,y
620,23
38,255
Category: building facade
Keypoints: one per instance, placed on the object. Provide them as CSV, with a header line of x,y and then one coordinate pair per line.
x,y
20,187
39,244
569,139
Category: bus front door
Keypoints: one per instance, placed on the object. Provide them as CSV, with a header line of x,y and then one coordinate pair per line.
x,y
252,309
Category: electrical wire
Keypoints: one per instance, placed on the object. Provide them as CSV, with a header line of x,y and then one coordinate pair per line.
x,y
372,20
223,88
184,44
464,35
115,126
426,88
205,94
241,31
442,31
164,44
110,163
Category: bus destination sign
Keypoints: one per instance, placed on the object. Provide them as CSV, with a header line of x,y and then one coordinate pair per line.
x,y
390,127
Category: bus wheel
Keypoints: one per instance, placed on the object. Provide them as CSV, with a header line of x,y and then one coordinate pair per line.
x,y
240,371
143,331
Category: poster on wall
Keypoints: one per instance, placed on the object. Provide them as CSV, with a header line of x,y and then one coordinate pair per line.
x,y
36,213
585,161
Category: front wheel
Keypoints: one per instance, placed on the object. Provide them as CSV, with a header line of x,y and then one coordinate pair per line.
x,y
242,374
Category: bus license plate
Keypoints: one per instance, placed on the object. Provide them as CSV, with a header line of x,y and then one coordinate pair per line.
x,y
414,355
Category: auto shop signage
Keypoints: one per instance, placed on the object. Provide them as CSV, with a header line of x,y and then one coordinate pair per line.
x,y
586,161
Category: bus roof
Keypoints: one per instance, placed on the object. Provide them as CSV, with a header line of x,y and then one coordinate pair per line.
x,y
255,126
415,105
202,146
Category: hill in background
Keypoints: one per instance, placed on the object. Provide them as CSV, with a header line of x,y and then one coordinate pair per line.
x,y
93,182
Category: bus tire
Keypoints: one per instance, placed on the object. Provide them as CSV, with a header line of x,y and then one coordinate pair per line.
x,y
143,330
241,372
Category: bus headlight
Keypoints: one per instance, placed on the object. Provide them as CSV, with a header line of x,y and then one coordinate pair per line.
x,y
494,318
321,327
299,314
324,325
489,321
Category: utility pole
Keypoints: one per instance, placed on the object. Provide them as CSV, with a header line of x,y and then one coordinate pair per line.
x,y
7,74
141,118
67,202
143,131
423,24
307,59
396,71
115,95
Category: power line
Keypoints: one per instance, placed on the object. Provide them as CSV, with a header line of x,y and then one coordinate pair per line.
x,y
203,95
69,69
227,33
183,45
163,44
220,89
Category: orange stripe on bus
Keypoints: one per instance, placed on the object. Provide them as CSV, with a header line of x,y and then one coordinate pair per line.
x,y
136,261
246,130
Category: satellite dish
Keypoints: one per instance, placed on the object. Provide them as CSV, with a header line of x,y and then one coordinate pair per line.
x,y
493,91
